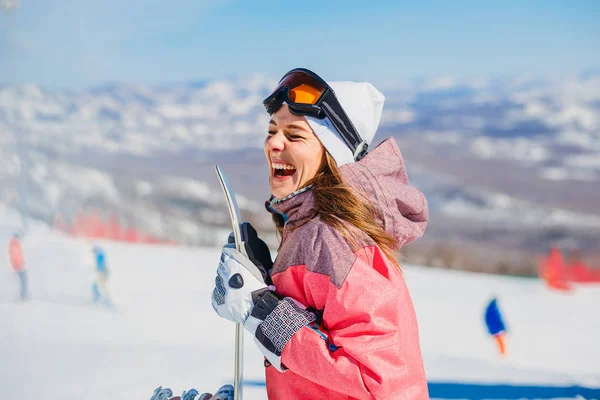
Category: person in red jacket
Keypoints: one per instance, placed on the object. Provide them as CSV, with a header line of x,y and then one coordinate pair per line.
x,y
332,315
17,261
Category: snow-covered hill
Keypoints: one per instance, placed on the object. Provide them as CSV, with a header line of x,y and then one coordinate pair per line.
x,y
511,153
136,119
173,208
551,123
164,331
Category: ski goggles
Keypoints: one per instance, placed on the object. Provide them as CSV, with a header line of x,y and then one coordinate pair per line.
x,y
307,94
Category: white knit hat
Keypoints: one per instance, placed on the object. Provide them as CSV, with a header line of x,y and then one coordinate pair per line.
x,y
363,104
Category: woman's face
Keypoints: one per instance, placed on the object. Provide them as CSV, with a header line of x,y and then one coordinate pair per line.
x,y
293,152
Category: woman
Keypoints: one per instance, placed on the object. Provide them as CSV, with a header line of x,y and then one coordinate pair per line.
x,y
332,314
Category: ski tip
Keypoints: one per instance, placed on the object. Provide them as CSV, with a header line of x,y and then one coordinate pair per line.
x,y
219,172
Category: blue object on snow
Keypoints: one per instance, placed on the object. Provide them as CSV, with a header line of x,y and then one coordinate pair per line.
x,y
475,391
493,318
100,260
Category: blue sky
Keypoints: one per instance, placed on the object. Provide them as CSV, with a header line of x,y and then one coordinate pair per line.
x,y
82,43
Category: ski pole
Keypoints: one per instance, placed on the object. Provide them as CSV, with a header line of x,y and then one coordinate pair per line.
x,y
236,221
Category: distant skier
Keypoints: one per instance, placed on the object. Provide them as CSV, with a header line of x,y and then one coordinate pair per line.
x,y
495,325
99,292
17,261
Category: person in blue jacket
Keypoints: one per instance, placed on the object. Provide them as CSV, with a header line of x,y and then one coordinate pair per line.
x,y
495,325
99,292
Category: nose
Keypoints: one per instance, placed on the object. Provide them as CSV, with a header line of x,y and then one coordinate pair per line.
x,y
276,142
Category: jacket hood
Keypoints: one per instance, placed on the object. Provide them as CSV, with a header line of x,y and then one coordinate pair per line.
x,y
381,178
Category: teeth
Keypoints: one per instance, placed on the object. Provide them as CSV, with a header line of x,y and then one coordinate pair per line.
x,y
282,166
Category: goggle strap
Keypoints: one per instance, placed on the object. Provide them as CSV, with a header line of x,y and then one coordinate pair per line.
x,y
361,151
344,126
340,127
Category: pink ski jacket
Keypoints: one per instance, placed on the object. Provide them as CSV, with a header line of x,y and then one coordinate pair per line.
x,y
366,344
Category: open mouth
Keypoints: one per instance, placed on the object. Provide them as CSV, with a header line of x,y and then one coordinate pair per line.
x,y
281,169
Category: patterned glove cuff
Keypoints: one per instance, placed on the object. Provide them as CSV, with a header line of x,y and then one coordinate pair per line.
x,y
282,323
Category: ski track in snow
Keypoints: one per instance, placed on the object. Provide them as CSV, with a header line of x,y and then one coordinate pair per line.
x,y
163,330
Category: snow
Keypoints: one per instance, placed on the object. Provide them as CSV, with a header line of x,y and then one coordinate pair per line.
x,y
500,207
447,137
404,116
559,174
584,161
90,182
579,139
163,330
520,149
584,116
440,83
552,336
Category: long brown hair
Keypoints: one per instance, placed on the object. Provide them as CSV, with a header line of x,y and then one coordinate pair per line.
x,y
338,205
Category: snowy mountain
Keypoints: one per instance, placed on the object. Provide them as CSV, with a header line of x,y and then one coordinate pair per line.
x,y
504,154
173,208
136,119
554,124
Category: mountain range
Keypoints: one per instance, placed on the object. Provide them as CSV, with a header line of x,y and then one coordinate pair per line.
x,y
510,162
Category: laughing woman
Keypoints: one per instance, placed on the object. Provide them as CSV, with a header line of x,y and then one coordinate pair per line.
x,y
332,314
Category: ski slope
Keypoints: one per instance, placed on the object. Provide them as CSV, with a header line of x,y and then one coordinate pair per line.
x,y
163,330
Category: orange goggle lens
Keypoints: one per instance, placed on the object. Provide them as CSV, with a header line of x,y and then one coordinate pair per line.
x,y
302,88
305,94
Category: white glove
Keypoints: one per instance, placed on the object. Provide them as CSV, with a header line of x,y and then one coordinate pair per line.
x,y
237,286
241,295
